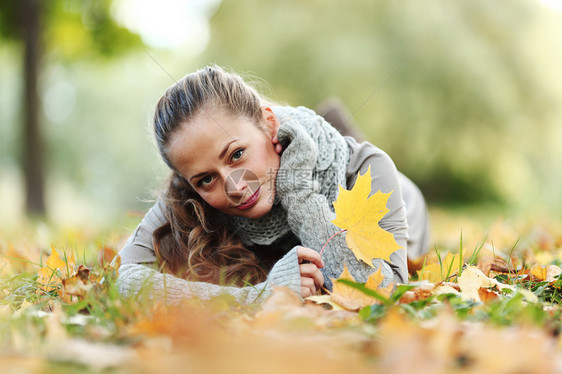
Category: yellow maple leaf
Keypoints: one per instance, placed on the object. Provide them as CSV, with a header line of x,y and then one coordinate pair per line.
x,y
359,214
437,272
49,276
353,299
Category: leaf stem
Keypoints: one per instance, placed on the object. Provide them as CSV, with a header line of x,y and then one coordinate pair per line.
x,y
325,244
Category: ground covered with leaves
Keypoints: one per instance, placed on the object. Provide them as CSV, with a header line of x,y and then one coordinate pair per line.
x,y
485,299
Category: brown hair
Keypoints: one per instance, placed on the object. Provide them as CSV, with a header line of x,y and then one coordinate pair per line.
x,y
195,243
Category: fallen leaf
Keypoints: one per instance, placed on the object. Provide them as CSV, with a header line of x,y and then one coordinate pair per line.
x,y
18,261
359,214
421,292
538,271
454,286
470,282
324,299
353,299
79,284
375,281
545,273
437,272
106,255
486,294
55,269
444,289
472,279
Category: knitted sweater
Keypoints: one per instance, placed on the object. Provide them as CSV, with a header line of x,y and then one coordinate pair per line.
x,y
311,225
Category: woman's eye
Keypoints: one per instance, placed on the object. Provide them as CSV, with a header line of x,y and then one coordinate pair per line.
x,y
237,155
205,181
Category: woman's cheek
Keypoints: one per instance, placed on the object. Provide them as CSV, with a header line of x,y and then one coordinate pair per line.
x,y
209,198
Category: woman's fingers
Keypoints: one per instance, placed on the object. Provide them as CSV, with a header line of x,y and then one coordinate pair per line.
x,y
307,287
311,277
308,254
311,271
305,292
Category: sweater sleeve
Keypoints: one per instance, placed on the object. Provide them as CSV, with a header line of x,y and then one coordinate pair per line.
x,y
142,280
138,276
139,247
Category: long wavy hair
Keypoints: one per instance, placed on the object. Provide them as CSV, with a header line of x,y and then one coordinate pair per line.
x,y
195,242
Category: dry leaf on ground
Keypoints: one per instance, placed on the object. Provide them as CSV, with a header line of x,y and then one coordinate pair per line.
x,y
545,273
55,269
353,299
436,272
472,279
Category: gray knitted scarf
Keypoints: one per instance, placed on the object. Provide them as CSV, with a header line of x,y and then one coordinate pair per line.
x,y
329,172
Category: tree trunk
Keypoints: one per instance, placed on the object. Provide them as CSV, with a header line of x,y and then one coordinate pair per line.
x,y
32,150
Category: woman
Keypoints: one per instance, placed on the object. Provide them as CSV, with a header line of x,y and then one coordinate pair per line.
x,y
249,202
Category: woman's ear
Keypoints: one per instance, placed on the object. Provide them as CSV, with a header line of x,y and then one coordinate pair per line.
x,y
272,126
271,122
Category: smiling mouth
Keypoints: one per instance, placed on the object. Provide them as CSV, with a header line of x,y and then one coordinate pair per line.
x,y
251,200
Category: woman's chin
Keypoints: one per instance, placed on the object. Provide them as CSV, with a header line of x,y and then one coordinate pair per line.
x,y
257,211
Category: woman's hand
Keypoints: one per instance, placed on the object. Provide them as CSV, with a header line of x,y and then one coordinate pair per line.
x,y
309,264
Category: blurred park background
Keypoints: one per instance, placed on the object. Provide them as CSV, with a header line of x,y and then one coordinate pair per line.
x,y
465,96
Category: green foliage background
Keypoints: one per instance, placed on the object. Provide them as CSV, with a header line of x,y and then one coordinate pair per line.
x,y
473,115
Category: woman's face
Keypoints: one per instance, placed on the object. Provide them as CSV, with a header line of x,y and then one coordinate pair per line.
x,y
229,161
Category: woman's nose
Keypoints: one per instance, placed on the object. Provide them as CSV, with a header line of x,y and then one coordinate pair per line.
x,y
236,184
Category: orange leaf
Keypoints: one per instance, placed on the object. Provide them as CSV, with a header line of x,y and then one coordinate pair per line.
x,y
487,294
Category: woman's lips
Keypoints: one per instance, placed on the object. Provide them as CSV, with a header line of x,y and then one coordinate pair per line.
x,y
251,201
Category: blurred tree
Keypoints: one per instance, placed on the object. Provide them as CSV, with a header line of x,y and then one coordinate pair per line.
x,y
75,28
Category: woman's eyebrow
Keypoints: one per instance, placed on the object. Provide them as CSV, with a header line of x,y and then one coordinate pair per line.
x,y
221,155
197,176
